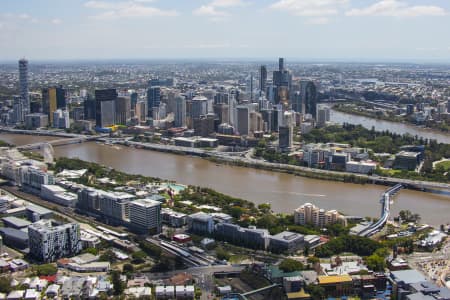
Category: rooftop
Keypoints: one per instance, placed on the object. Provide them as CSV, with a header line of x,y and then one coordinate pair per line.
x,y
334,279
408,276
147,203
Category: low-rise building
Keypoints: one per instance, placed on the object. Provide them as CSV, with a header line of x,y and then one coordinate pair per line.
x,y
286,241
405,160
201,223
165,292
251,237
336,286
58,195
361,167
173,218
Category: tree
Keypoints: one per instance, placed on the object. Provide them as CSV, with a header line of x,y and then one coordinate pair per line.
x,y
313,260
138,257
108,256
118,284
128,268
5,284
45,269
376,262
222,254
317,292
93,251
289,265
151,249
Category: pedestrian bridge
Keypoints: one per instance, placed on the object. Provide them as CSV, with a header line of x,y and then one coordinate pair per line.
x,y
58,142
385,211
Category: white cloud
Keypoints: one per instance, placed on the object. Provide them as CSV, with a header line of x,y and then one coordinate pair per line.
x,y
214,11
310,8
396,8
24,16
228,3
127,9
56,21
210,11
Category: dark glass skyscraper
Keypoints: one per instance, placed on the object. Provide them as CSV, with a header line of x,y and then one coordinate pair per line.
x,y
89,108
60,97
282,80
153,99
105,108
308,95
262,78
23,85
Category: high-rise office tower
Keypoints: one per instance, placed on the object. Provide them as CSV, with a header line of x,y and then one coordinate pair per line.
x,y
285,137
204,125
262,78
105,108
281,64
89,108
323,115
145,216
23,85
296,101
60,97
141,111
180,111
243,119
308,94
153,99
222,111
123,110
282,80
199,106
49,103
134,99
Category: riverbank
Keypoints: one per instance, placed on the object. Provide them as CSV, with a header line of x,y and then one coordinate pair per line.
x,y
244,161
285,192
237,160
393,119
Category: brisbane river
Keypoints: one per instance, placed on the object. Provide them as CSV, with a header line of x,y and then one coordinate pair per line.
x,y
283,191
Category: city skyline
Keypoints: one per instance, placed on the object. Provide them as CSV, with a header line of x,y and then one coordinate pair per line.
x,y
344,30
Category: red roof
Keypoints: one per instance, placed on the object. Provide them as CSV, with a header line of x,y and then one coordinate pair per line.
x,y
50,278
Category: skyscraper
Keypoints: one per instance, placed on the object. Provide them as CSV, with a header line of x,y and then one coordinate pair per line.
x,y
105,108
141,111
282,80
153,99
180,111
23,85
123,110
262,78
308,93
89,108
243,119
281,64
60,97
285,137
49,103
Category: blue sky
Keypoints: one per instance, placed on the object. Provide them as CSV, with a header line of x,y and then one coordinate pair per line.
x,y
349,30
